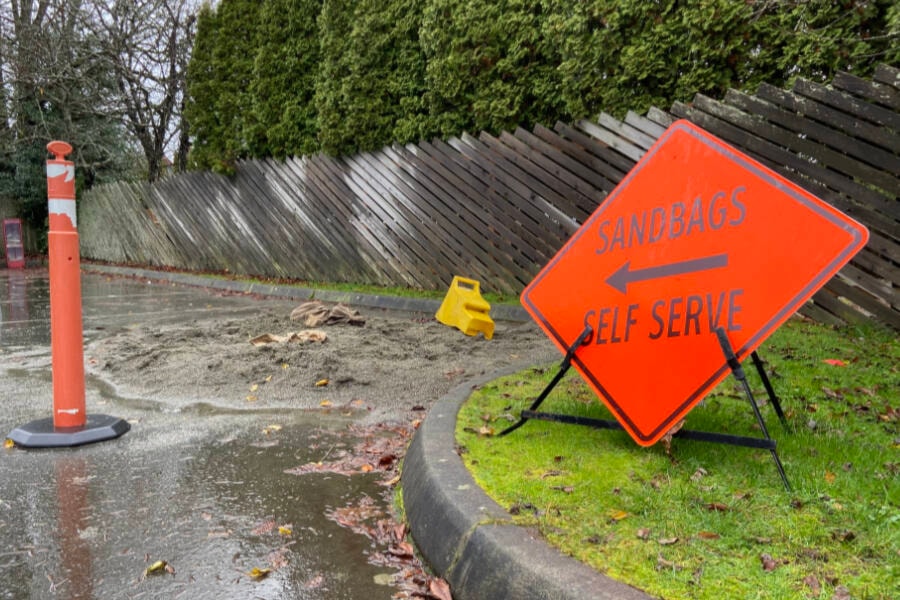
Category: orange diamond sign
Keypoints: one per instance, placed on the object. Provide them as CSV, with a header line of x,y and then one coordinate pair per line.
x,y
698,236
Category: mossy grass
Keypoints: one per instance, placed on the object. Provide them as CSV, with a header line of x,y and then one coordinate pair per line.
x,y
714,521
358,288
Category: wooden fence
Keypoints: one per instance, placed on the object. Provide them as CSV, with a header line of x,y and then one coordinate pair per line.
x,y
497,208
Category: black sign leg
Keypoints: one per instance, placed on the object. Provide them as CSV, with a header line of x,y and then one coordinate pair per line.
x,y
563,368
776,404
738,371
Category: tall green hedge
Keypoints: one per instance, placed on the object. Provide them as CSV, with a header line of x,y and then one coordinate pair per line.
x,y
219,105
283,77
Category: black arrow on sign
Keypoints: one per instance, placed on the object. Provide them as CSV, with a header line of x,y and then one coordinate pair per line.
x,y
624,275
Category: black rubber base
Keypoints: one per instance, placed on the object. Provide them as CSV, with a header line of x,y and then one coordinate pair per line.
x,y
42,434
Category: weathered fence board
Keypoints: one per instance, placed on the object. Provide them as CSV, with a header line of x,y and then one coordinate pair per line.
x,y
498,207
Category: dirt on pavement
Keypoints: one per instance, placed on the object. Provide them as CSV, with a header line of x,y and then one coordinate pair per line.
x,y
393,364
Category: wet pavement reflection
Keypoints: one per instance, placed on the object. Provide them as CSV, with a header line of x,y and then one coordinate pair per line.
x,y
204,490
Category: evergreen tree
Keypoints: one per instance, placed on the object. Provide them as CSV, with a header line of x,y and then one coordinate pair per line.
x,y
284,79
402,70
619,55
488,66
334,69
200,102
219,104
382,92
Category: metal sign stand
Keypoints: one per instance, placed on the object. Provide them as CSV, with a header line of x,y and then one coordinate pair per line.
x,y
765,442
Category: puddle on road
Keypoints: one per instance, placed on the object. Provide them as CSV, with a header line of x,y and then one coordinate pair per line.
x,y
207,492
199,487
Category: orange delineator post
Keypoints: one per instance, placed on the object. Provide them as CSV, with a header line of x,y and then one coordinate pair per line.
x,y
69,425
65,291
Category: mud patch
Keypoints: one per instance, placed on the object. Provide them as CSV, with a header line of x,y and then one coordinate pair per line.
x,y
381,370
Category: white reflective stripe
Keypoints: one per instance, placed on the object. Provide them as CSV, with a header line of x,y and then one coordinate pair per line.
x,y
68,411
55,170
57,206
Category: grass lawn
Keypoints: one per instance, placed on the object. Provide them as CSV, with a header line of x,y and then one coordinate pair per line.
x,y
714,521
357,288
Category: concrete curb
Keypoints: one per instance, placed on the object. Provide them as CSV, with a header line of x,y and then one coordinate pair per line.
x,y
502,312
469,539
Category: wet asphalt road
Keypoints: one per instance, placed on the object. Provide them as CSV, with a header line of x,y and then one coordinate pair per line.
x,y
203,489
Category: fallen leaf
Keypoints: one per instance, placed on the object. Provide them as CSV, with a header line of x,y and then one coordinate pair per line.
x,y
325,403
268,379
9,444
768,563
843,535
519,507
268,338
814,554
402,550
699,474
834,362
258,574
890,414
662,563
708,535
254,387
157,567
618,515
667,438
643,533
285,530
834,395
263,528
812,582
440,589
667,541
454,373
552,473
367,468
271,429
717,507
567,489
322,383
252,398
830,477
841,593
284,365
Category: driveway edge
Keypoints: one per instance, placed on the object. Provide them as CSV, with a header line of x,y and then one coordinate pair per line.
x,y
470,540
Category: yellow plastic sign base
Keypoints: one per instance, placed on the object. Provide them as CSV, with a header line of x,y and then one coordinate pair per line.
x,y
464,308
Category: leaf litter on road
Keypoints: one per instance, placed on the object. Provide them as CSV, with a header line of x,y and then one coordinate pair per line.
x,y
378,449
